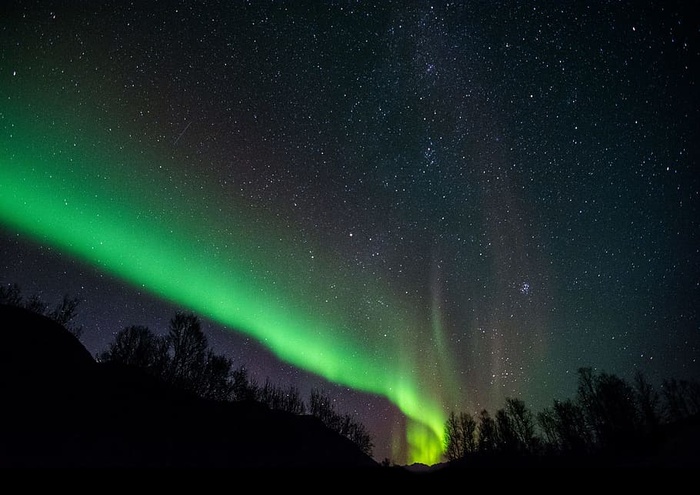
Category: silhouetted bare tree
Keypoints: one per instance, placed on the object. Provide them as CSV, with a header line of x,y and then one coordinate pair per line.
x,y
188,346
321,406
547,422
608,404
506,438
453,442
181,357
293,402
271,395
64,313
681,399
648,404
11,294
460,435
357,433
215,378
522,423
564,427
138,346
36,305
276,397
486,441
244,387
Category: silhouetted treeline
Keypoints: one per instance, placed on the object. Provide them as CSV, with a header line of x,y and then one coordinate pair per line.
x,y
62,313
182,358
607,417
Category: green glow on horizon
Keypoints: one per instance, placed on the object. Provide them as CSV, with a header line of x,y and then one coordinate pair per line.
x,y
115,208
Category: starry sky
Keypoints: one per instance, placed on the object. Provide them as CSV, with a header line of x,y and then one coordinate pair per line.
x,y
419,207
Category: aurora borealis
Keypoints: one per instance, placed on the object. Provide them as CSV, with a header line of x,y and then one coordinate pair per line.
x,y
214,269
428,207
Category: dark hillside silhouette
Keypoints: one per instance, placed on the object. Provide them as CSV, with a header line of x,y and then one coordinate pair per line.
x,y
61,408
144,405
182,358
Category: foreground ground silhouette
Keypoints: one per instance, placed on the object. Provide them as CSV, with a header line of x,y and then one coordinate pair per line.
x,y
61,408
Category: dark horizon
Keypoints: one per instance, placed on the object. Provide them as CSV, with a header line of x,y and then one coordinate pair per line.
x,y
152,401
609,423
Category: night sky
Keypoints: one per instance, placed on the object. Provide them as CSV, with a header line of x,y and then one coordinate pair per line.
x,y
419,207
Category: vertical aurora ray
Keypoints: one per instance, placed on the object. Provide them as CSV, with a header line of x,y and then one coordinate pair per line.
x,y
100,201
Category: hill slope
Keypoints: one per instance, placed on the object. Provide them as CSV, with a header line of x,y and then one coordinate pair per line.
x,y
60,408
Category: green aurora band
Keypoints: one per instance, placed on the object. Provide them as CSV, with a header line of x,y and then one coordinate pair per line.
x,y
103,199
